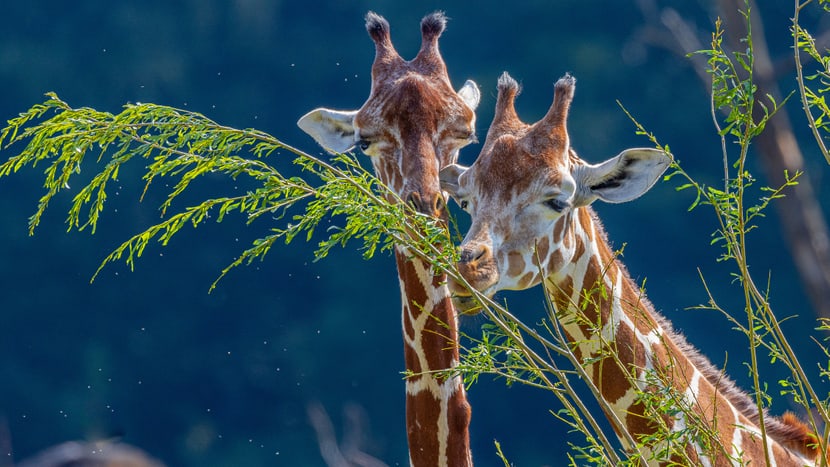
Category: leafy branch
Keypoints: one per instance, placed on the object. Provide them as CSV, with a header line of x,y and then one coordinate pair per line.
x,y
187,146
733,94
812,98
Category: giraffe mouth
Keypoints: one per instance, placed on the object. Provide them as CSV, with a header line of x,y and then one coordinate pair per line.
x,y
463,295
465,302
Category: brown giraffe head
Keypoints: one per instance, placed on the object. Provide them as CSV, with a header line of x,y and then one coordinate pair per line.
x,y
526,179
413,123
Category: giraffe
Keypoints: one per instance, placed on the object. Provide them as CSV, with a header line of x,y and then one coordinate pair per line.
x,y
529,196
412,125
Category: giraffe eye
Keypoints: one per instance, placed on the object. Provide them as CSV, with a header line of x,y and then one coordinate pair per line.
x,y
556,204
363,144
464,204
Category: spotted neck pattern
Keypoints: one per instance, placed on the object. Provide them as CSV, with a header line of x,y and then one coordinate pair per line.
x,y
629,349
412,125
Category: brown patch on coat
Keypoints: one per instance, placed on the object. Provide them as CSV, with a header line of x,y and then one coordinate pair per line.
x,y
422,414
637,423
459,416
542,248
526,280
515,264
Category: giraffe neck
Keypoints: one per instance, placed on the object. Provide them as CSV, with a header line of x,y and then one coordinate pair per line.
x,y
628,349
437,412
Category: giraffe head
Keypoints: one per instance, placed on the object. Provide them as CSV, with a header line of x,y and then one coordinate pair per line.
x,y
523,189
413,123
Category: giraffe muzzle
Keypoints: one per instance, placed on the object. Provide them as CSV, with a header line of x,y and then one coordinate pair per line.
x,y
431,205
477,266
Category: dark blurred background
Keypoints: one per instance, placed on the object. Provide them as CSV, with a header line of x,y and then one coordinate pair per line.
x,y
225,379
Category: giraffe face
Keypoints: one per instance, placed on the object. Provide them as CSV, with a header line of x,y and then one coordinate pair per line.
x,y
524,189
514,199
412,124
412,127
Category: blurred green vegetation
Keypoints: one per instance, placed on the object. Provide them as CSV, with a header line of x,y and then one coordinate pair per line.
x,y
224,378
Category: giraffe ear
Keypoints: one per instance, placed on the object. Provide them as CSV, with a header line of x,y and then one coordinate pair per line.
x,y
449,180
332,129
470,94
622,178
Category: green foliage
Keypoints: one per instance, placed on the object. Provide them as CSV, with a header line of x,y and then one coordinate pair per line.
x,y
185,147
734,97
813,98
736,212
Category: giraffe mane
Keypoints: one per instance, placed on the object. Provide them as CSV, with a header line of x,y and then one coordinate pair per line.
x,y
788,429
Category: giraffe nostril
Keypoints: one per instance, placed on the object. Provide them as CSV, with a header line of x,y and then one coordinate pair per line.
x,y
473,255
438,203
431,205
414,200
482,252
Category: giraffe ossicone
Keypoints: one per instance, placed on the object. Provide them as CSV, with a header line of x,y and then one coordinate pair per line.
x,y
411,126
412,109
529,196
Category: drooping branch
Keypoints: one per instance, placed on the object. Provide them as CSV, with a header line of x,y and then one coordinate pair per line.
x,y
183,147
